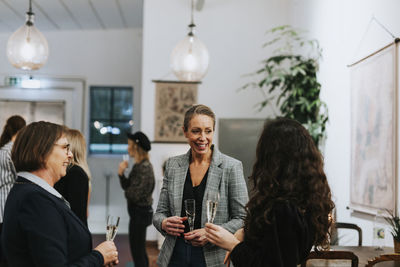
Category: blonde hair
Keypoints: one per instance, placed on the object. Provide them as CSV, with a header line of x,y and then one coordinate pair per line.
x,y
78,148
141,153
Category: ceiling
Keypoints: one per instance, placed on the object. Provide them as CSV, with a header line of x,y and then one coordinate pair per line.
x,y
58,15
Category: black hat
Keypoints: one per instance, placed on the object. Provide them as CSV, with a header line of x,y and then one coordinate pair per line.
x,y
141,140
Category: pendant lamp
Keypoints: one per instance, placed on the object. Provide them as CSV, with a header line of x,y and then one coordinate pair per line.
x,y
189,58
27,48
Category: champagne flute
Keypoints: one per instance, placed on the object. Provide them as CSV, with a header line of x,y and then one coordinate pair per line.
x,y
190,209
212,198
125,157
112,227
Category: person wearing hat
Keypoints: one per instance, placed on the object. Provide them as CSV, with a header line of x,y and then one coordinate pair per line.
x,y
138,187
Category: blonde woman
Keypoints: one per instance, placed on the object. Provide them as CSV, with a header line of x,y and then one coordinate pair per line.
x,y
138,187
192,175
75,186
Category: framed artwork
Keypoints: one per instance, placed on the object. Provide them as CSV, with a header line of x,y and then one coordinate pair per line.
x,y
173,98
374,132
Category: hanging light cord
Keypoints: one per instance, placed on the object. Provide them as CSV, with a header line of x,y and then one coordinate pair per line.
x,y
191,25
30,8
30,14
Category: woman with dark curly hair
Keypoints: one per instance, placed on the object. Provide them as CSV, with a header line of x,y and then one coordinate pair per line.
x,y
290,206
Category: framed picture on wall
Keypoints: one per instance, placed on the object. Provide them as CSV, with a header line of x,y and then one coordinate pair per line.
x,y
173,98
374,118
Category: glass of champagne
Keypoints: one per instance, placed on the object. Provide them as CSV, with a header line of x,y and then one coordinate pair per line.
x,y
212,198
125,157
190,209
112,227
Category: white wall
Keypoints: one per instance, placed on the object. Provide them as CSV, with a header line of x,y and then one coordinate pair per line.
x,y
345,34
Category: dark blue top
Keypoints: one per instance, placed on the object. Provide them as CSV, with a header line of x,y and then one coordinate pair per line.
x,y
285,242
74,187
196,193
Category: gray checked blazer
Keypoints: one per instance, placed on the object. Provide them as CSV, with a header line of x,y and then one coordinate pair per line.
x,y
226,175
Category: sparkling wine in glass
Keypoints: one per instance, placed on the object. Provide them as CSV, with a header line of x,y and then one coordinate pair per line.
x,y
190,209
112,227
212,198
125,157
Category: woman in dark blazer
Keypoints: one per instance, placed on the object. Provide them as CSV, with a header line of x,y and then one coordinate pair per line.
x,y
39,227
289,210
190,176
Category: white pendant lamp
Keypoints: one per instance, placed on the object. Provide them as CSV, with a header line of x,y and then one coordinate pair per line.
x,y
189,59
27,48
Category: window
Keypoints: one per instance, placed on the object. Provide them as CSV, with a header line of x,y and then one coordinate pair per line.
x,y
110,119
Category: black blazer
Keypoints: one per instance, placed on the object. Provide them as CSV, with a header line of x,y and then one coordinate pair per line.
x,y
40,230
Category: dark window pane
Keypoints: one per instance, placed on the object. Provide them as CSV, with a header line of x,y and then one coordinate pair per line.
x,y
100,103
99,132
110,119
122,104
123,128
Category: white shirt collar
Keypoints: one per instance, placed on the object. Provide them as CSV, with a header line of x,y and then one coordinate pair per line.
x,y
40,182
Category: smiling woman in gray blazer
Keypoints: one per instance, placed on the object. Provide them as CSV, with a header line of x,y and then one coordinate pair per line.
x,y
201,170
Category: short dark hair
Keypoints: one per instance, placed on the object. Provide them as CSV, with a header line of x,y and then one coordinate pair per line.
x,y
34,144
13,125
197,110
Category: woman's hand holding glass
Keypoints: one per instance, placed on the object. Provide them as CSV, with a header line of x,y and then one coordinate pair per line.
x,y
174,225
123,165
109,252
220,236
197,237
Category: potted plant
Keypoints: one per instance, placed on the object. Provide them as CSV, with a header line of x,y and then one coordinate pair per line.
x,y
289,76
394,222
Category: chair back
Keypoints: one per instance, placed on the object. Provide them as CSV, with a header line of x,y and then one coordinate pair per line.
x,y
384,257
338,225
332,255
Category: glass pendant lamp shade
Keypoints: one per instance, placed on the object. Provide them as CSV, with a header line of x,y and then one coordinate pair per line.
x,y
189,59
27,48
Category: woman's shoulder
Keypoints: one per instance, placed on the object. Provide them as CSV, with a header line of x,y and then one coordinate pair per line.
x,y
76,171
177,160
227,161
6,148
25,191
144,165
288,211
74,174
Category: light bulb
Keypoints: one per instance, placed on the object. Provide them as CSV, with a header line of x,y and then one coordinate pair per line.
x,y
27,48
190,63
189,59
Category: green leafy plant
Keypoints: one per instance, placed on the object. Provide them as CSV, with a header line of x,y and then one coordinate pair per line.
x,y
291,72
394,222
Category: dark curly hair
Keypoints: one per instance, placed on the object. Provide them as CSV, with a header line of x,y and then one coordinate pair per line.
x,y
288,168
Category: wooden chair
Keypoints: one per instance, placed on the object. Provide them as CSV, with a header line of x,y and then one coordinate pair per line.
x,y
338,225
383,257
332,255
